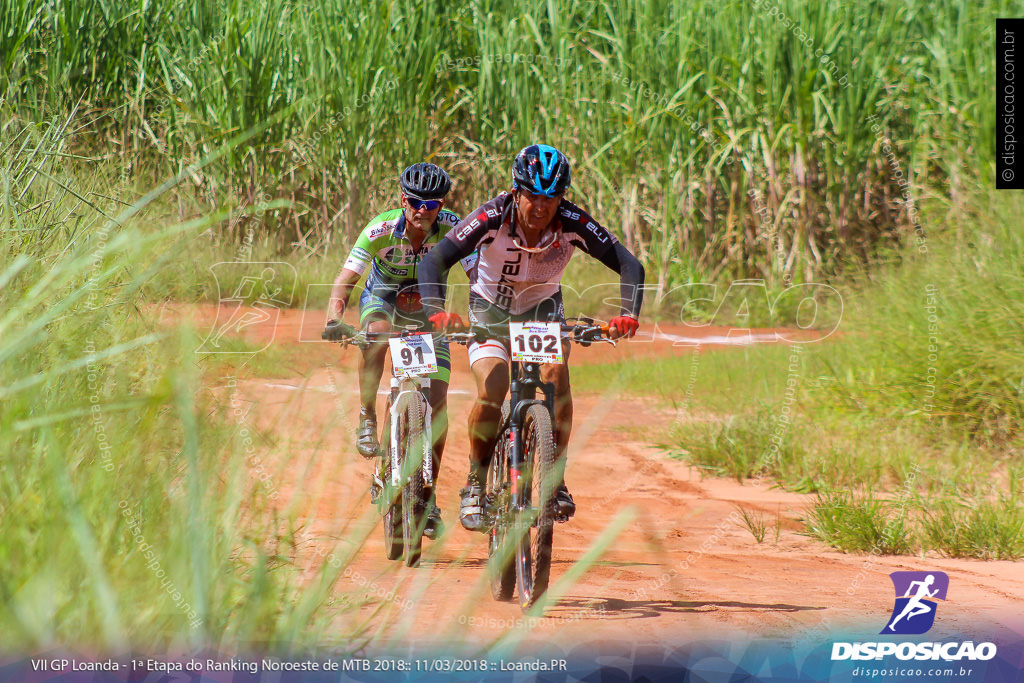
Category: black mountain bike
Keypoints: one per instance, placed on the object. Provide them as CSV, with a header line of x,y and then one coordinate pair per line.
x,y
523,474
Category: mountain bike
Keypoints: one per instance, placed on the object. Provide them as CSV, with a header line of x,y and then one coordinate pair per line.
x,y
404,464
523,474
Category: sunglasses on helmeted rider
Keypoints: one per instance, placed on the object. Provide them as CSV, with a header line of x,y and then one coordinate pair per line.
x,y
428,204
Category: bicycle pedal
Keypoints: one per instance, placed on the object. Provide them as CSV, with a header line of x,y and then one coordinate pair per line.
x,y
562,519
376,489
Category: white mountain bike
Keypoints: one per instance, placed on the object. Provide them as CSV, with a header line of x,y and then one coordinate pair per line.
x,y
404,463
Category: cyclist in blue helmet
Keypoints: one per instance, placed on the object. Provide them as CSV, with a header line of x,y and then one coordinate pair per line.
x,y
392,246
523,240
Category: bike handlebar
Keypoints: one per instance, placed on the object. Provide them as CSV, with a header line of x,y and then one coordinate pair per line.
x,y
582,331
337,331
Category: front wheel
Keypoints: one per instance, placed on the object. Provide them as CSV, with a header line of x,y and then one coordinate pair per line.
x,y
392,519
535,521
411,435
390,500
500,568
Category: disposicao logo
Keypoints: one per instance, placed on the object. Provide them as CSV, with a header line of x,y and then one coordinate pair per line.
x,y
916,596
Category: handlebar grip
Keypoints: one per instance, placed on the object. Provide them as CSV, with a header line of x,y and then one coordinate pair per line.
x,y
336,330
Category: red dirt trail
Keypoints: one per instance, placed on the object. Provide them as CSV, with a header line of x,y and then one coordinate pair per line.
x,y
683,566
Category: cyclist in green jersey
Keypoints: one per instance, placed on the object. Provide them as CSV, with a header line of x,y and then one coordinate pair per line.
x,y
392,245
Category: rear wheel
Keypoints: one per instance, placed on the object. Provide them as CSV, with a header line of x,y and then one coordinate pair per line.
x,y
413,505
534,525
500,567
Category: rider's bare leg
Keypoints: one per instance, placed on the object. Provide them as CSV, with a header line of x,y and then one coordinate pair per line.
x,y
371,367
559,376
439,424
491,375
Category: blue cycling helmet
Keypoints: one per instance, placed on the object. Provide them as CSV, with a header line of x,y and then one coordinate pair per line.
x,y
541,169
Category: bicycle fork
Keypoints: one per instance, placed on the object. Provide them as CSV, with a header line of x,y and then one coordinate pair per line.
x,y
522,392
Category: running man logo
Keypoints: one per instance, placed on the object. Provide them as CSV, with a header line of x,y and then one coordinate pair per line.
x,y
250,293
916,596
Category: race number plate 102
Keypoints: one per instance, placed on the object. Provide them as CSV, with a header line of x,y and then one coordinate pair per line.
x,y
536,342
413,355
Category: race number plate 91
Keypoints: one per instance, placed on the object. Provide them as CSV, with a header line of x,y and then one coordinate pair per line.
x,y
536,342
413,355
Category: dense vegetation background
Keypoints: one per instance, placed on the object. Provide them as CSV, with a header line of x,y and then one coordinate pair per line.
x,y
672,112
793,141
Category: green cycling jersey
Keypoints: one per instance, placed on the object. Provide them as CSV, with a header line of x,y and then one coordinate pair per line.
x,y
384,247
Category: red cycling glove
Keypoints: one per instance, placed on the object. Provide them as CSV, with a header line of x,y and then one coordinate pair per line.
x,y
444,321
625,325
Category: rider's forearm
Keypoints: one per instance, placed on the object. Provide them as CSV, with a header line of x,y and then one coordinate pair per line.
x,y
632,274
343,286
431,271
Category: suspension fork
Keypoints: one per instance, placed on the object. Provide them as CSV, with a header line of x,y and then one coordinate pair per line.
x,y
522,391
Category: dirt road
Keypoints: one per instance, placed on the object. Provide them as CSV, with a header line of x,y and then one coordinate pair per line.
x,y
683,564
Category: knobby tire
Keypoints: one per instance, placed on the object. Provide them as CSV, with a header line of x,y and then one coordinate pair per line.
x,y
535,526
390,501
500,566
413,505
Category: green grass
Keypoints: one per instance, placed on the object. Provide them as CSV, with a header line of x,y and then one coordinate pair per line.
x,y
688,380
672,112
860,524
754,522
984,529
101,101
126,516
896,400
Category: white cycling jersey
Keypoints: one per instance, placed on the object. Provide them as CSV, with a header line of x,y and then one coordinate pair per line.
x,y
511,278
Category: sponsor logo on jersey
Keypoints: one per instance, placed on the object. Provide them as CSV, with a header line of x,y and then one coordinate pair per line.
x,y
504,291
399,255
391,269
463,233
381,229
601,235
